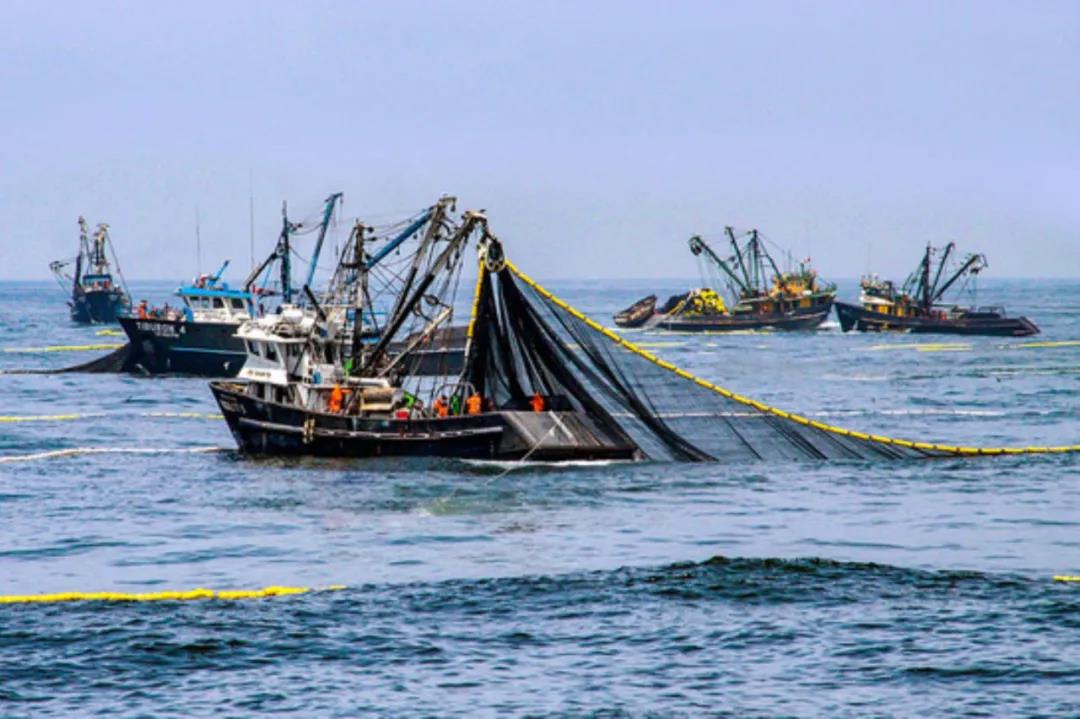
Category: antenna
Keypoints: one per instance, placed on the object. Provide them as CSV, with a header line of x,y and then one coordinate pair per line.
x,y
251,214
198,244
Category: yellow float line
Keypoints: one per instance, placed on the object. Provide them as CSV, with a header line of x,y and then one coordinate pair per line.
x,y
109,333
1066,578
63,348
45,417
165,596
946,449
1037,345
922,347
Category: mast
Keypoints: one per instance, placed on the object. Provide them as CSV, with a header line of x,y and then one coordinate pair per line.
x,y
738,256
356,347
328,211
84,249
759,251
97,257
926,277
472,220
284,254
435,215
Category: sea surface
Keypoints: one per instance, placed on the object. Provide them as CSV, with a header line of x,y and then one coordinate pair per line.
x,y
882,588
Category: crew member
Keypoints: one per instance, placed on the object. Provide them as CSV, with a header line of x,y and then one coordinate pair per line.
x,y
537,403
474,403
442,409
142,310
336,397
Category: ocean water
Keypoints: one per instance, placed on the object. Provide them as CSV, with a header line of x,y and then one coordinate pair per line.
x,y
761,589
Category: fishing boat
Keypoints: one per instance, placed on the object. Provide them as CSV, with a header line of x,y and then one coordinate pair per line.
x,y
765,297
313,385
918,306
96,296
198,337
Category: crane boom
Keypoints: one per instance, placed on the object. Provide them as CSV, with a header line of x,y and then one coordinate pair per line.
x,y
941,268
699,246
328,212
969,265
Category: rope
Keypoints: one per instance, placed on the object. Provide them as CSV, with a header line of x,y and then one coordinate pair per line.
x,y
525,457
931,448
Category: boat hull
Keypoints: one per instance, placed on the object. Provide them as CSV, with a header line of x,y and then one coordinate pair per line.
x,y
794,320
854,317
162,346
98,306
637,314
270,428
212,349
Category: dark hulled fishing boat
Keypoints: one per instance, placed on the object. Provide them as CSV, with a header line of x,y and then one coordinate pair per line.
x,y
199,336
918,305
96,296
312,385
766,297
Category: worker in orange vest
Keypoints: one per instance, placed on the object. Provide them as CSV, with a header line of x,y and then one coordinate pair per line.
x,y
336,397
442,409
537,403
474,403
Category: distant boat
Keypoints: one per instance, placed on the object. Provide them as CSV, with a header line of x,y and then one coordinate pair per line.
x,y
765,296
199,336
918,307
95,296
196,337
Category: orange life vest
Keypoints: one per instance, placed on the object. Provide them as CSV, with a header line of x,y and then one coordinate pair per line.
x,y
336,396
537,403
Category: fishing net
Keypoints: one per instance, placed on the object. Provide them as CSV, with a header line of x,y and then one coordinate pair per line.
x,y
527,342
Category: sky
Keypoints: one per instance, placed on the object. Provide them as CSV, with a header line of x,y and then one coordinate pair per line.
x,y
598,136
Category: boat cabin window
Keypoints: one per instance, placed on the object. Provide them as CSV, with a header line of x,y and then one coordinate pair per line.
x,y
271,352
218,304
253,348
237,303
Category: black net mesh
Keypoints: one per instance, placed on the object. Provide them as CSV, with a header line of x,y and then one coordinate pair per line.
x,y
527,342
